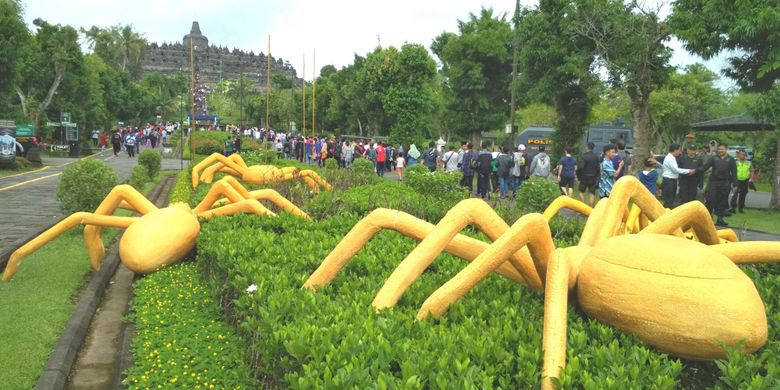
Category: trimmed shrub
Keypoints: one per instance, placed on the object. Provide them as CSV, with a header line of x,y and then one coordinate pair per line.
x,y
151,160
437,184
331,163
363,166
536,194
139,177
84,184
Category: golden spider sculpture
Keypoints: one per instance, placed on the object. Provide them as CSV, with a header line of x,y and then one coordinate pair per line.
x,y
161,236
679,295
256,174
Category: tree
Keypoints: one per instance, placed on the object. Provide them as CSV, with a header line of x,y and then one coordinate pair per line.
x,y
476,69
118,46
555,66
51,53
630,43
13,38
749,28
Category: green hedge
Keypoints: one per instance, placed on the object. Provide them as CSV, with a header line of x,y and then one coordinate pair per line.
x,y
334,339
182,339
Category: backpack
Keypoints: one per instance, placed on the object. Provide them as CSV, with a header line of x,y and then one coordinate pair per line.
x,y
542,167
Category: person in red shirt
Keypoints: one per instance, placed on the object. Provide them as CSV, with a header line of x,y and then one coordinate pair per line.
x,y
381,158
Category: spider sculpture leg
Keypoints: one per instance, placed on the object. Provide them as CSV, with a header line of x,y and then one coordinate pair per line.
x,y
625,189
461,246
211,171
466,212
231,189
123,196
314,180
266,194
750,252
693,214
562,202
215,157
80,218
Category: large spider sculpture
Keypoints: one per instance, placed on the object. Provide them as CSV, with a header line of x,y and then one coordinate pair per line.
x,y
255,174
681,295
161,236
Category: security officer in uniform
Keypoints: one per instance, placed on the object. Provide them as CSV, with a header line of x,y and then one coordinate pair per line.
x,y
723,177
744,170
689,183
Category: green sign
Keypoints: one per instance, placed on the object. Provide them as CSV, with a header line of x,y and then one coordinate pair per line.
x,y
64,117
293,128
25,130
53,124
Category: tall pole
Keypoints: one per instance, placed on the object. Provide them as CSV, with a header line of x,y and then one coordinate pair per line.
x,y
268,85
314,89
192,98
303,96
515,44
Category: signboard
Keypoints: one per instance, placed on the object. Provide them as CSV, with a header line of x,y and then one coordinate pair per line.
x,y
65,117
25,130
53,124
293,128
71,133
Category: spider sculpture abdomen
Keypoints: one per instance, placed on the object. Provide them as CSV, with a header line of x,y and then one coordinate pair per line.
x,y
677,295
160,238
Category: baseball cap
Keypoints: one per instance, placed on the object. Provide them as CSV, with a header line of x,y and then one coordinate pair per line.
x,y
521,147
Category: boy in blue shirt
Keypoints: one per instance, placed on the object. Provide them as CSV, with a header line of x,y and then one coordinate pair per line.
x,y
649,176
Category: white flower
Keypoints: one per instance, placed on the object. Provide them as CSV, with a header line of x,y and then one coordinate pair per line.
x,y
252,288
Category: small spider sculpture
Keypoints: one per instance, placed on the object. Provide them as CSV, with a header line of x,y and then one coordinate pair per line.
x,y
256,174
161,236
680,295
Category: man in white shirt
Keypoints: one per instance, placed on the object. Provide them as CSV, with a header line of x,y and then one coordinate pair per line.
x,y
671,173
451,160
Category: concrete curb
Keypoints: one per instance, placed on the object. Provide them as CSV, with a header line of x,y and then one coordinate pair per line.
x,y
55,375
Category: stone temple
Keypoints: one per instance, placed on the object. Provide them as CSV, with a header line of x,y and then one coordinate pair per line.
x,y
213,63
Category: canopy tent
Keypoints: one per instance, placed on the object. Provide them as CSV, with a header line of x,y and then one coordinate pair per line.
x,y
741,122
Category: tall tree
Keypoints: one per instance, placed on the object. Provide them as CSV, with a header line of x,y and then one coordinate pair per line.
x,y
477,66
47,58
630,42
120,46
555,63
748,28
13,38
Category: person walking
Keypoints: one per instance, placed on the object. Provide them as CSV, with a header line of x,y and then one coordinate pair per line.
x,y
608,172
430,156
689,183
566,172
722,178
130,145
504,164
588,172
744,172
399,166
671,173
95,137
116,142
540,165
518,169
467,166
381,157
451,160
484,169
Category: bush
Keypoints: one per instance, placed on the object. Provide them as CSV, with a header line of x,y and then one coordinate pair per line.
x,y
139,177
363,166
331,164
84,184
438,184
151,160
536,194
182,340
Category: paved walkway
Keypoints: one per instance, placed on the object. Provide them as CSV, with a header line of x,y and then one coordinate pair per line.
x,y
29,202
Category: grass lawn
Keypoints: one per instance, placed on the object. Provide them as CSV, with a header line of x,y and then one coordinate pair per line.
x,y
756,219
764,187
37,303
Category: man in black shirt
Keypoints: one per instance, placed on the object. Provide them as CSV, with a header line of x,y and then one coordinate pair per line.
x,y
484,169
722,178
689,183
588,174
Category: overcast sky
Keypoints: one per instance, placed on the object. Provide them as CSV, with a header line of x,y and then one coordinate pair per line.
x,y
337,29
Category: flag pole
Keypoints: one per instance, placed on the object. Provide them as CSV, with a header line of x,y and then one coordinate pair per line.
x,y
192,98
314,89
303,96
268,86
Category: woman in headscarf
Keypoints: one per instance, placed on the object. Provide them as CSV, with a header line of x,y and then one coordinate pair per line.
x,y
412,156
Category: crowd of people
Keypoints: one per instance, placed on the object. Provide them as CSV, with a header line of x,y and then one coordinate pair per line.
x,y
131,139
